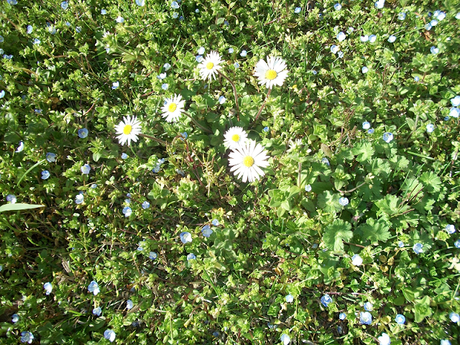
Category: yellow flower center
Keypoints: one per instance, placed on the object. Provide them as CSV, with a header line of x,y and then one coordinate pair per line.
x,y
210,65
248,161
270,74
235,137
127,130
172,107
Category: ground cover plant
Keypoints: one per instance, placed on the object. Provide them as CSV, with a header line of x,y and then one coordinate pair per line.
x,y
229,172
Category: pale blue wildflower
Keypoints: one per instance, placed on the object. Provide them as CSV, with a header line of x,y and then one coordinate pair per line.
x,y
161,76
341,36
166,66
20,147
201,51
51,29
418,248
445,342
30,28
185,237
93,287
243,53
416,79
97,311
350,29
343,201
68,24
79,198
325,300
120,19
356,260
455,101
392,38
428,26
454,112
206,231
439,15
364,70
368,306
153,255
402,16
145,205
364,38
454,317
26,337
384,339
127,211
450,228
215,222
48,288
109,335
308,188
325,161
429,128
45,174
289,298
2,93
222,99
334,49
174,5
199,58
85,169
400,244
175,15
64,5
184,135
140,3
342,316
337,7
236,65
124,156
103,11
297,10
365,318
285,339
94,186
14,318
372,38
388,137
197,10
314,72
379,4
191,256
83,133
164,86
434,22
366,125
38,111
115,85
340,54
129,304
457,244
266,129
230,50
457,16
434,50
400,319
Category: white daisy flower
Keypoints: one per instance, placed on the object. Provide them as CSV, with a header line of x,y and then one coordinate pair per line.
x,y
128,130
210,65
245,161
234,137
172,108
272,72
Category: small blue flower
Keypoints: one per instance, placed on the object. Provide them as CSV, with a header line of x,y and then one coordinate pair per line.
x,y
308,188
45,174
368,306
366,125
161,76
94,186
342,316
20,147
153,255
103,12
11,199
314,72
337,7
206,231
120,19
109,335
428,26
325,161
85,169
434,22
297,10
455,101
83,133
97,311
434,50
416,79
93,287
164,86
388,137
418,248
140,3
457,244
341,36
447,118
392,38
429,128
454,317
340,54
184,135
191,256
115,85
64,5
14,2
364,38
197,10
127,211
78,29
79,198
175,15
364,70
14,318
289,298
454,112
230,50
343,201
384,339
445,342
26,337
215,222
222,99
145,205
402,16
174,5
372,38
285,339
199,58
201,51
166,66
365,318
185,237
2,93
48,288
400,244
325,300
356,260
30,28
400,319
379,4
129,304
244,53
266,129
334,49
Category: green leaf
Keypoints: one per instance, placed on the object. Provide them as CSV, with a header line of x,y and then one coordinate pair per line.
x,y
374,230
18,207
364,151
431,181
422,309
335,233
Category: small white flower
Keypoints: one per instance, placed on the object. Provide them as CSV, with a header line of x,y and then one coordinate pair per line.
x,y
450,228
289,298
246,161
120,19
392,38
341,36
337,7
334,49
379,4
210,65
172,108
270,73
109,335
285,339
356,260
364,38
372,38
128,130
201,51
429,128
48,288
235,137
384,339
455,101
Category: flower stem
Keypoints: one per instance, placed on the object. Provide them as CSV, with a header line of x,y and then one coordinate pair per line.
x,y
234,93
154,139
262,107
207,130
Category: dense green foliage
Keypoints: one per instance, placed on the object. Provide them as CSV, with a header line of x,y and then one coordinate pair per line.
x,y
333,189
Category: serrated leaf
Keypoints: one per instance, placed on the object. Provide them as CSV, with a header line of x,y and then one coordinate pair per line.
x,y
374,230
18,207
431,181
364,151
336,233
